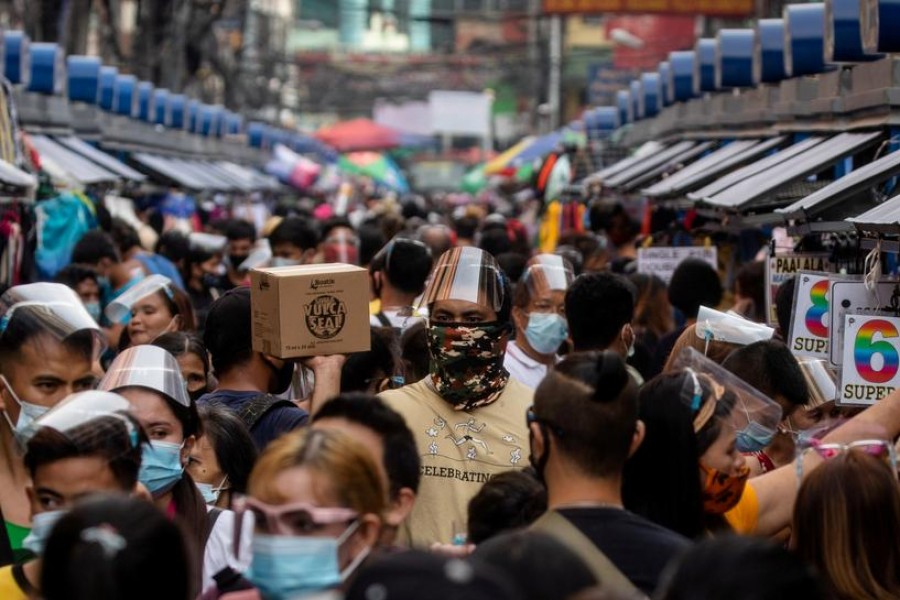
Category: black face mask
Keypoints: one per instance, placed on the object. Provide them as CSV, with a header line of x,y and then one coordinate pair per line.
x,y
196,395
209,281
236,260
283,377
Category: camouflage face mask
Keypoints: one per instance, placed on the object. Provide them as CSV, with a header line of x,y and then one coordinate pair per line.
x,y
467,363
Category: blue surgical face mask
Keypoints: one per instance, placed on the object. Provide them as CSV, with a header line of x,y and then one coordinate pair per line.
x,y
279,261
754,437
161,466
41,526
209,492
93,309
28,414
288,567
546,331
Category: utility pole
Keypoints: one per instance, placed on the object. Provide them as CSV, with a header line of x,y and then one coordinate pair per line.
x,y
555,75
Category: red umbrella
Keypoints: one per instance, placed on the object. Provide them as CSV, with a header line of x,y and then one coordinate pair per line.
x,y
359,134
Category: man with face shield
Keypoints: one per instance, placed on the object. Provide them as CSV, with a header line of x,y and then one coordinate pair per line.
x,y
467,415
87,444
48,343
539,308
248,379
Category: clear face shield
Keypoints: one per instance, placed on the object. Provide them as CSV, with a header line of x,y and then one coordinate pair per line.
x,y
119,310
148,367
755,416
50,308
547,273
86,418
467,274
341,246
713,325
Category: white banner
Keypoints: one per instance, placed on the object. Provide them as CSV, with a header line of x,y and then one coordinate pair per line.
x,y
663,260
460,113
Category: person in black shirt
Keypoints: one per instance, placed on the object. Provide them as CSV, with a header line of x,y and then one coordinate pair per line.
x,y
583,428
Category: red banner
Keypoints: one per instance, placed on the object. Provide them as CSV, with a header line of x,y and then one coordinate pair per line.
x,y
660,35
722,8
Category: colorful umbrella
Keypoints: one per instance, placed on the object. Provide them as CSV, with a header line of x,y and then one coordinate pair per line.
x,y
474,181
377,167
500,163
359,134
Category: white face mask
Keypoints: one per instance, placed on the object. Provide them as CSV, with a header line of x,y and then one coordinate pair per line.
x,y
28,414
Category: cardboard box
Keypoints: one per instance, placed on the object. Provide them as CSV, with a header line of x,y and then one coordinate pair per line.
x,y
310,310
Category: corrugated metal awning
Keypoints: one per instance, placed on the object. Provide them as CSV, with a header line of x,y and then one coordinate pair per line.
x,y
667,166
765,184
885,214
169,171
710,166
101,158
865,177
647,163
620,165
763,164
69,166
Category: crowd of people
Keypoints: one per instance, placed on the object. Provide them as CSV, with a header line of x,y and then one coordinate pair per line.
x,y
526,425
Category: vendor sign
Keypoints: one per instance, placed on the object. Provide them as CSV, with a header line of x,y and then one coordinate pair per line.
x,y
810,321
663,260
853,297
782,267
871,358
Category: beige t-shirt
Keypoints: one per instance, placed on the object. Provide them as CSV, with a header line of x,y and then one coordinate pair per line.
x,y
460,451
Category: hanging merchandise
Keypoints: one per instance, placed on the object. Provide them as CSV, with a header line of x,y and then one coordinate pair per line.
x,y
60,224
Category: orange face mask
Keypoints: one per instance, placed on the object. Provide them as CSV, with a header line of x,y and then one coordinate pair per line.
x,y
721,491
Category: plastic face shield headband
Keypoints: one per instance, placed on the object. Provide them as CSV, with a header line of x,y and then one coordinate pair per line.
x,y
466,274
88,416
692,396
547,273
341,247
119,310
881,449
147,367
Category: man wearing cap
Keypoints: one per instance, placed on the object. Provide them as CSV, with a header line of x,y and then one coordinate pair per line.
x,y
539,309
48,343
398,273
468,414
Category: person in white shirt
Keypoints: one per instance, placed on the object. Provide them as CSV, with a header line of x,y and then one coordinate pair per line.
x,y
539,308
398,274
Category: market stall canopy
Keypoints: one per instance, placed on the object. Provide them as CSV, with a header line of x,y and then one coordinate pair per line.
x,y
502,161
762,186
883,218
359,134
760,166
251,177
101,158
735,153
69,167
169,171
648,163
834,198
673,163
619,166
15,178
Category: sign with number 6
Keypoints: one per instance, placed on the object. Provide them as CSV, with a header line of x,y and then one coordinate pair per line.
x,y
871,358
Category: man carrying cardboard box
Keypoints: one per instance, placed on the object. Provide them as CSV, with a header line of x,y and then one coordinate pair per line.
x,y
247,379
467,415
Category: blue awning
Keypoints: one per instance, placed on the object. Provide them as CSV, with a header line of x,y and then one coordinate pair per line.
x,y
70,166
101,158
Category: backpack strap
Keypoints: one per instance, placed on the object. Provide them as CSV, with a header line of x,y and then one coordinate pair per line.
x,y
257,407
383,319
608,575
212,515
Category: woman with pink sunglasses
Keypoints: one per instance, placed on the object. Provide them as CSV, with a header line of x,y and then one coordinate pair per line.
x,y
316,498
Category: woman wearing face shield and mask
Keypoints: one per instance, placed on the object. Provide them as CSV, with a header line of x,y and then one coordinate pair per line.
x,y
150,379
539,306
151,307
316,500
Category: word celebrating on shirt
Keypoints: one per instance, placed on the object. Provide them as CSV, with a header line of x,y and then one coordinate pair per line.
x,y
451,473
